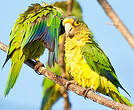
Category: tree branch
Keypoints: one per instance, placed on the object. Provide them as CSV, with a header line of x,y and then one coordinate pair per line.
x,y
69,7
73,87
3,47
117,22
67,104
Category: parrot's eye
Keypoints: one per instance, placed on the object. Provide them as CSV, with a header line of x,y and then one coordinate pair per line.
x,y
76,23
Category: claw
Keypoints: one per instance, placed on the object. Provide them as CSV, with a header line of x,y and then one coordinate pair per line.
x,y
86,91
37,66
70,82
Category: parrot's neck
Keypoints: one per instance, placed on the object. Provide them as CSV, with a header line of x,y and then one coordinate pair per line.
x,y
72,51
73,47
78,40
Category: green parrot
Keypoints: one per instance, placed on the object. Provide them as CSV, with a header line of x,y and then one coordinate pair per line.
x,y
37,28
87,63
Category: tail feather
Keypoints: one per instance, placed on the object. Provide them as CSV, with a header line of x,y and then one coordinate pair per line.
x,y
119,98
46,98
125,90
7,58
50,95
51,59
17,61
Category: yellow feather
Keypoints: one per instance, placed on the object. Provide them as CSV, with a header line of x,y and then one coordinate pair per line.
x,y
81,71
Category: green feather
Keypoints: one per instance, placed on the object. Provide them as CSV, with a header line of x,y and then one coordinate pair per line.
x,y
49,20
27,37
18,59
94,69
50,91
99,62
120,98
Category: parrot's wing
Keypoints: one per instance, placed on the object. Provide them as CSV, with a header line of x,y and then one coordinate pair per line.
x,y
44,25
40,23
99,62
37,23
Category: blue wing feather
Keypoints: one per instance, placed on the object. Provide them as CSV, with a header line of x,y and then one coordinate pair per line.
x,y
45,28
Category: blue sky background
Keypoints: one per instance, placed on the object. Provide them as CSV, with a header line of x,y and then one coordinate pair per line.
x,y
27,91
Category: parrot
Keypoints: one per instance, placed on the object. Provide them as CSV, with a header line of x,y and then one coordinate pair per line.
x,y
37,28
87,63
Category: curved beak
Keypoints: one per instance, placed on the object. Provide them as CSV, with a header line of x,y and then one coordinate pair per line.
x,y
67,23
68,28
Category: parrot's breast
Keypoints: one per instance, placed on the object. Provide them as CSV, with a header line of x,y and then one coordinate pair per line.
x,y
77,66
81,71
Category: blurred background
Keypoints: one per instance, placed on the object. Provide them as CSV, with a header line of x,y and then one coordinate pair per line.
x,y
27,92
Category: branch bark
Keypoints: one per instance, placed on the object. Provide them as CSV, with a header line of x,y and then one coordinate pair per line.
x,y
117,22
69,7
67,104
73,87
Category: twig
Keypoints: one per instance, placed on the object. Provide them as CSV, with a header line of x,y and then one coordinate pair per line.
x,y
61,58
69,7
67,104
73,87
3,47
117,22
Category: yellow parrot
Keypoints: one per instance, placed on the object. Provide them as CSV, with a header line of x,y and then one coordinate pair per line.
x,y
87,63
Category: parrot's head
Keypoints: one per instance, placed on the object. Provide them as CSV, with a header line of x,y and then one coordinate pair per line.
x,y
74,27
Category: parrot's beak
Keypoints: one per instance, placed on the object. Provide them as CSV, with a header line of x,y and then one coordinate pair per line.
x,y
68,28
67,23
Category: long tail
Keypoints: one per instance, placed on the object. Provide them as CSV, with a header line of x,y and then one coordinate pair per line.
x,y
17,60
115,95
51,94
51,91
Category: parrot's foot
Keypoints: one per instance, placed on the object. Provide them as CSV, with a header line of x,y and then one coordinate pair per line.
x,y
70,82
86,92
70,75
37,66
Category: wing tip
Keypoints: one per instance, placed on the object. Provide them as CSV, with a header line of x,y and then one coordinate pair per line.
x,y
125,90
7,58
